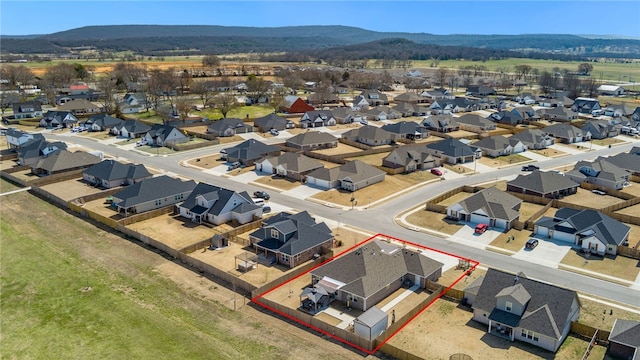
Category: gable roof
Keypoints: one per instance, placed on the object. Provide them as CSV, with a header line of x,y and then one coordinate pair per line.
x,y
626,332
452,147
627,161
250,150
543,182
104,120
370,132
405,155
496,142
404,127
530,136
152,189
113,170
493,202
312,138
271,121
162,131
224,124
26,107
564,131
221,196
63,159
603,169
587,223
304,232
38,146
374,265
357,171
134,126
547,310
476,120
294,162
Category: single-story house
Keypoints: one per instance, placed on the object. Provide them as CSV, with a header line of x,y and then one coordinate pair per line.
x,y
216,205
371,98
130,129
290,165
151,194
534,139
558,114
291,239
273,121
351,176
600,172
80,107
312,140
410,98
624,339
440,123
453,151
480,90
617,110
629,161
585,105
544,184
63,160
407,129
567,133
526,310
591,230
601,129
228,127
371,135
489,206
35,149
365,276
317,118
110,173
475,123
58,118
344,115
248,152
512,117
101,122
382,112
499,145
164,135
410,159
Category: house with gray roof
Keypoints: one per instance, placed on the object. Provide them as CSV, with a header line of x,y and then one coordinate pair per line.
x,y
521,309
290,165
558,114
480,90
410,98
65,119
344,115
453,151
567,133
312,140
317,118
291,239
475,123
248,152
381,112
601,129
534,139
273,121
80,107
63,160
546,184
499,145
600,172
591,230
17,138
624,340
216,205
110,173
130,129
150,194
411,158
33,150
617,110
585,105
228,127
101,122
629,161
350,176
406,109
371,98
512,117
165,135
489,206
365,276
371,135
410,130
440,123
27,110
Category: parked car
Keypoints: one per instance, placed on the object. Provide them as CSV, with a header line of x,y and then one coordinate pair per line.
x,y
266,209
364,122
436,172
481,228
530,167
531,243
258,201
262,195
233,166
274,132
599,192
141,142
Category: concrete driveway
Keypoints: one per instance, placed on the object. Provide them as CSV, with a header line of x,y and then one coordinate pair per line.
x,y
467,236
303,191
549,252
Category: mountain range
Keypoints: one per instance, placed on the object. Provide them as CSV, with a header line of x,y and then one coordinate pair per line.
x,y
155,39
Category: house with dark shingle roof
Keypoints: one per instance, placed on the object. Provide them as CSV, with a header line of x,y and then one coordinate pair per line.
x,y
567,133
489,206
163,135
58,118
291,240
499,145
410,98
624,339
371,98
290,165
130,129
410,159
150,194
558,114
475,123
453,151
102,122
216,205
27,110
382,112
600,129
350,176
63,160
534,139
629,161
312,140
480,90
593,231
344,115
317,118
228,127
600,172
17,138
585,105
371,135
273,121
407,129
110,173
522,309
248,152
440,123
365,276
544,184
35,149
512,117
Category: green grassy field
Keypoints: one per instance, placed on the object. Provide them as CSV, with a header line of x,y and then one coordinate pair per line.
x,y
72,291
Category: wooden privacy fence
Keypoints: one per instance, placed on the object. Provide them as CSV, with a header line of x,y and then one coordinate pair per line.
x,y
146,215
587,332
354,144
47,196
52,179
629,252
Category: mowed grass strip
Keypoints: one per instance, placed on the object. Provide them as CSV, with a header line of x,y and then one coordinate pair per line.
x,y
73,291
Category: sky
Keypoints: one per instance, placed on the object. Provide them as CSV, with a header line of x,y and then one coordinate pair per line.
x,y
26,17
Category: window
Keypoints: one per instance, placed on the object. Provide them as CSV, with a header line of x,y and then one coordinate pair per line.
x,y
285,258
535,337
524,333
508,306
158,202
179,197
274,233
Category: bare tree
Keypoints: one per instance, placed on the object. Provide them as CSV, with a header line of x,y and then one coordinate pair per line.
x,y
226,102
441,76
16,75
107,87
210,61
205,91
585,69
546,82
124,73
257,88
277,96
589,86
522,71
183,105
60,75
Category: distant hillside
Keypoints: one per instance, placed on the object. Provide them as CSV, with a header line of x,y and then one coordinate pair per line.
x,y
204,38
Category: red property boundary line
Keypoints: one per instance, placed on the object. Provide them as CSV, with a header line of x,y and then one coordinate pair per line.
x,y
256,299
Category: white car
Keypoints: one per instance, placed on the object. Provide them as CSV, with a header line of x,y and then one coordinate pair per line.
x,y
141,143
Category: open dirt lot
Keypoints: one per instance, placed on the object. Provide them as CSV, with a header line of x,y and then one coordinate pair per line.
x,y
587,198
512,159
71,189
338,150
206,162
634,189
176,231
445,329
549,152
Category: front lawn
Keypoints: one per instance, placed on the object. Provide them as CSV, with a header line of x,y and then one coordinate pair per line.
x,y
617,266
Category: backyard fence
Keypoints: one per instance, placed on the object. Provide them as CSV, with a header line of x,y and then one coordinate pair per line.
x,y
132,219
47,196
587,332
354,144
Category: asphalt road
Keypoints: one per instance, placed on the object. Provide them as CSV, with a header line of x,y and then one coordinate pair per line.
x,y
380,219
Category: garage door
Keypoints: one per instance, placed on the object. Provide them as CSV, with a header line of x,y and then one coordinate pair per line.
x,y
540,230
480,219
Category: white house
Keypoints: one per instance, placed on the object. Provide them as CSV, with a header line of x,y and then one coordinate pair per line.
x,y
612,90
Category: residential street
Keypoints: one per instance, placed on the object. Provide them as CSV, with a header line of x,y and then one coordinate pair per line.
x,y
381,218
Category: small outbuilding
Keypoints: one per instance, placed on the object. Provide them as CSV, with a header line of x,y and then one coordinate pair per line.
x,y
371,324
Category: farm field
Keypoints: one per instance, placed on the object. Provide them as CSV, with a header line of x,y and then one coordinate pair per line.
x,y
113,298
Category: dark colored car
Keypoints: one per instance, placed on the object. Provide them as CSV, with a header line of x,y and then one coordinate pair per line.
x,y
481,228
437,172
531,243
530,168
266,209
262,195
